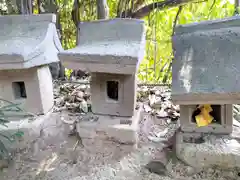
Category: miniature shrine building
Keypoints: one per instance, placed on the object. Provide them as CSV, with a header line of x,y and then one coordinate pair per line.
x,y
112,57
205,70
28,44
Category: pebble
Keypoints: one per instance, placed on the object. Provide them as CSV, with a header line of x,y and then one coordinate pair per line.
x,y
63,165
190,171
156,167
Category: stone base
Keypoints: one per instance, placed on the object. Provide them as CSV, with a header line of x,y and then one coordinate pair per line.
x,y
31,127
121,129
216,150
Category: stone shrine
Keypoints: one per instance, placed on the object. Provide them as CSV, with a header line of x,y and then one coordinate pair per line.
x,y
205,70
111,50
28,44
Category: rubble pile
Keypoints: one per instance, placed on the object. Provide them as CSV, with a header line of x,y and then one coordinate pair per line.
x,y
72,97
76,98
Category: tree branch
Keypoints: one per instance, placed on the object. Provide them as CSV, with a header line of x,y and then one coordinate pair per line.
x,y
75,12
176,19
144,11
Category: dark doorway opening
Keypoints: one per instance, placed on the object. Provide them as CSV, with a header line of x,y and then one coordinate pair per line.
x,y
19,90
112,90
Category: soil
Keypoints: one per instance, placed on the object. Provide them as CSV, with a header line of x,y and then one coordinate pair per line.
x,y
51,157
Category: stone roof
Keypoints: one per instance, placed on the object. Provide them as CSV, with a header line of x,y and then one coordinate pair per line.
x,y
28,40
206,62
106,42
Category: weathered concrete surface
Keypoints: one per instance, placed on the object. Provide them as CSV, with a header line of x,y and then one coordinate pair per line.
x,y
120,129
98,159
38,86
206,65
118,49
220,151
28,40
51,157
31,127
126,103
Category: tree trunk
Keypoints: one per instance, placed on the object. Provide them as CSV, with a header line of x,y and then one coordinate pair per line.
x,y
24,6
76,20
102,9
236,7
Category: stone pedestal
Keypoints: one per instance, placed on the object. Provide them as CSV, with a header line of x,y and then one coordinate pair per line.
x,y
222,151
120,129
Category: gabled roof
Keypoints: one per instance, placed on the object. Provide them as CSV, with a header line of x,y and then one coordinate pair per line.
x,y
206,62
105,43
28,40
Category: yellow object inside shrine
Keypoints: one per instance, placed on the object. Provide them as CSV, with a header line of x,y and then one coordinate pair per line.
x,y
204,118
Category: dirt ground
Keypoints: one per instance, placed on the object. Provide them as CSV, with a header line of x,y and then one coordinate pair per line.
x,y
51,157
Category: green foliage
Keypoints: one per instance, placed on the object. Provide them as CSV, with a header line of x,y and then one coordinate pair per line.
x,y
68,72
6,109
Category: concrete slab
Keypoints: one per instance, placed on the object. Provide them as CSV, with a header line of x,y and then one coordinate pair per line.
x,y
206,65
120,129
217,150
118,49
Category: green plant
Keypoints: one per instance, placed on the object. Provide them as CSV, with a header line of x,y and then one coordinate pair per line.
x,y
6,109
68,72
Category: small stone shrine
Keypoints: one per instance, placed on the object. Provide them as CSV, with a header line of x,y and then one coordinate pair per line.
x,y
205,74
28,44
111,51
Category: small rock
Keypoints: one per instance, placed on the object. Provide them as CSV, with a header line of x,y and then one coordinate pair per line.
x,y
162,114
80,94
236,122
63,165
232,175
162,133
156,167
152,99
191,171
147,108
156,139
82,87
157,92
84,106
